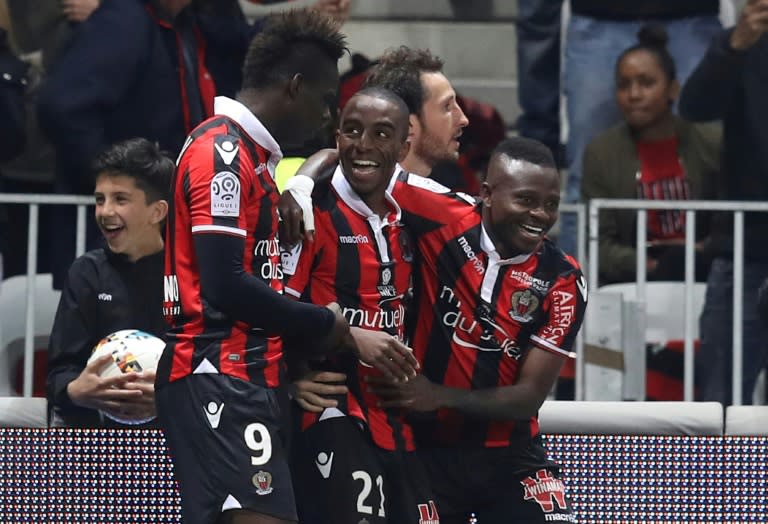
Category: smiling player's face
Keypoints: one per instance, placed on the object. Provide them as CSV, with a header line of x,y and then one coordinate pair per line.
x,y
371,140
520,204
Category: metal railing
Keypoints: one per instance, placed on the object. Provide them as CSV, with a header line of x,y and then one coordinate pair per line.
x,y
34,202
590,264
738,208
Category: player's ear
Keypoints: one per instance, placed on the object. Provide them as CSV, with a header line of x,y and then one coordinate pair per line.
x,y
485,194
294,86
403,150
414,126
159,211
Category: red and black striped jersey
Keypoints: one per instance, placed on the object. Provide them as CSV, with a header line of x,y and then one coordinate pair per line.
x,y
363,263
475,315
223,184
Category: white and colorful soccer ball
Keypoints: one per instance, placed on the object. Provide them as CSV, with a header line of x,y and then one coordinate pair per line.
x,y
132,350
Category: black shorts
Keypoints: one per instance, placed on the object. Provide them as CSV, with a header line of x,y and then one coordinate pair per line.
x,y
226,442
498,485
341,476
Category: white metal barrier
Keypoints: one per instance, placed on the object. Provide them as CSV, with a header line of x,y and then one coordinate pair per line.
x,y
590,264
738,208
34,202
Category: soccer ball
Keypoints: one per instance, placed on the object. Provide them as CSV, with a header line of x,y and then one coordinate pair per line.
x,y
132,350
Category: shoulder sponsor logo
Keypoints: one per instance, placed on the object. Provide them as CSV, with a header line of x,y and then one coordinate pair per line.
x,y
471,255
324,462
353,239
105,297
561,318
227,151
545,490
225,195
213,413
261,168
524,304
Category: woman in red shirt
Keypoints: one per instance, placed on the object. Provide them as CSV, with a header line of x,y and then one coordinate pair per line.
x,y
654,155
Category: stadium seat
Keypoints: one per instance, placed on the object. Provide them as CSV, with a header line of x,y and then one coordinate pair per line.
x,y
746,421
20,412
665,307
564,417
13,307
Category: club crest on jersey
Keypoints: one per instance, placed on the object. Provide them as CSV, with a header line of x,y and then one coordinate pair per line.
x,y
262,480
545,490
386,276
225,195
524,304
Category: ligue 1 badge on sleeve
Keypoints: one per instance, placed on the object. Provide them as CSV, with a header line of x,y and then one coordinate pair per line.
x,y
524,304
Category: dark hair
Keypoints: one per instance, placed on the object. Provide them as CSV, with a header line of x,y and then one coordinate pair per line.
x,y
389,96
653,38
142,160
400,69
294,41
526,149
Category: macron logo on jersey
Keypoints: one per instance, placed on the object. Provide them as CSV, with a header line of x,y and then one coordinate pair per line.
x,y
225,195
353,239
213,413
227,151
324,462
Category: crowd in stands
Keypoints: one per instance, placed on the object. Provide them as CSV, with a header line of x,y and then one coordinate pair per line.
x,y
662,104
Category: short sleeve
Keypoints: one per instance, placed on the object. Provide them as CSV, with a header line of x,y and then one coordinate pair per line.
x,y
218,177
565,305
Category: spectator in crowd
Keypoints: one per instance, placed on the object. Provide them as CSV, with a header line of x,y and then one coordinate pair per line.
x,y
132,186
651,155
133,68
730,84
538,66
13,81
598,30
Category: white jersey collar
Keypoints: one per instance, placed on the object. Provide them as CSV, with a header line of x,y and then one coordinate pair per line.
x,y
255,129
493,255
353,200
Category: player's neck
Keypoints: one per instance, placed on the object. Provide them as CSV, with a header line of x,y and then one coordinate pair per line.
x,y
416,165
377,203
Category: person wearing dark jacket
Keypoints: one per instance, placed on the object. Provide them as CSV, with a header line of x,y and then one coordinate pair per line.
x,y
117,287
134,68
13,81
651,155
731,83
598,30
